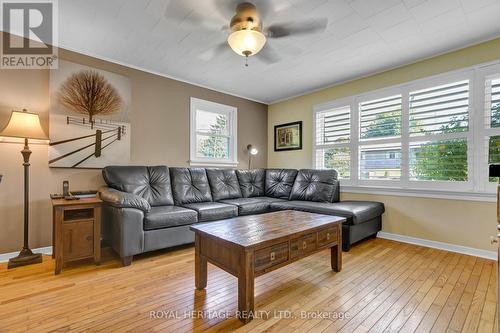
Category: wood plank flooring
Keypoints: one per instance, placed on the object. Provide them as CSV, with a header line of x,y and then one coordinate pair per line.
x,y
384,286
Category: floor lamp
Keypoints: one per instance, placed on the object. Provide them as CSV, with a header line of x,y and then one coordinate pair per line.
x,y
25,125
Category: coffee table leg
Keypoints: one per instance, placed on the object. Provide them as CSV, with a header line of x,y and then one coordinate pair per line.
x,y
200,266
246,287
336,257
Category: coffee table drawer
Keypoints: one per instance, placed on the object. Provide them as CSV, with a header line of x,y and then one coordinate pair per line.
x,y
270,256
327,236
302,245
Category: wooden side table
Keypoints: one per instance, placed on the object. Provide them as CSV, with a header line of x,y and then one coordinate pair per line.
x,y
76,232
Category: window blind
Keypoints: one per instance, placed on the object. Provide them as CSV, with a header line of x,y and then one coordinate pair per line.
x,y
492,98
380,118
440,109
333,126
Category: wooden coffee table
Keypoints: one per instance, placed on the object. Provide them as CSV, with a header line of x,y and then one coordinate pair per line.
x,y
250,246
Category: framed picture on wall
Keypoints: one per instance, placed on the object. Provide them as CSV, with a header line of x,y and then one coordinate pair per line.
x,y
288,136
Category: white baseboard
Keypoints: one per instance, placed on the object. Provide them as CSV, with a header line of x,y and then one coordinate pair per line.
x,y
440,245
4,257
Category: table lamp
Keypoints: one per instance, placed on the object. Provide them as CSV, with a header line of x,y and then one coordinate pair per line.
x,y
25,125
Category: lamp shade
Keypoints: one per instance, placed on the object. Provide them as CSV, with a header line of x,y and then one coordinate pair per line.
x,y
24,125
252,150
246,42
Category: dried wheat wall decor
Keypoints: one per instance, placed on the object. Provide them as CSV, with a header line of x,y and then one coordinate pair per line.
x,y
89,93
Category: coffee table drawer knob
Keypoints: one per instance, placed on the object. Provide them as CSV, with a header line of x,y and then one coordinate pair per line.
x,y
304,245
273,256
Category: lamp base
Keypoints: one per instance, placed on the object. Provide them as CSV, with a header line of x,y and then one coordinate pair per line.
x,y
25,257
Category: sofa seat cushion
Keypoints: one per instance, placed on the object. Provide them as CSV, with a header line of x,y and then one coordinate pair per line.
x,y
169,216
210,211
355,212
255,205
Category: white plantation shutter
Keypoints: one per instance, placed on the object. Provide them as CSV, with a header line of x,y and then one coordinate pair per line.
x,y
440,109
332,137
333,126
380,118
492,100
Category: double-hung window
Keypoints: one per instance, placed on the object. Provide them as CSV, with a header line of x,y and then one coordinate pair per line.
x,y
213,134
439,133
436,133
380,138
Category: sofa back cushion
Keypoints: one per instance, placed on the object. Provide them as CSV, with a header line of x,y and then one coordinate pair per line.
x,y
279,182
151,183
315,185
224,184
190,185
252,182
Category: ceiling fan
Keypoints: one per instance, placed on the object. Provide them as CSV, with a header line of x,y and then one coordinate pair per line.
x,y
247,35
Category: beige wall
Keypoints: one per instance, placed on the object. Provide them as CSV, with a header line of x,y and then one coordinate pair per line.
x,y
464,223
160,135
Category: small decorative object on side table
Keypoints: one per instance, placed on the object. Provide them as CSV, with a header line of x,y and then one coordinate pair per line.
x,y
76,230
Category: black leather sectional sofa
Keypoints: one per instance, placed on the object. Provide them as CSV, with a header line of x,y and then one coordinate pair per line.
x,y
150,208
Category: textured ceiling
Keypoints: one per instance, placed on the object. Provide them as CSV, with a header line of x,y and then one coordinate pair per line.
x,y
362,37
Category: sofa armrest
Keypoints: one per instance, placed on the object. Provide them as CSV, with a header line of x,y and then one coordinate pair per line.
x,y
120,199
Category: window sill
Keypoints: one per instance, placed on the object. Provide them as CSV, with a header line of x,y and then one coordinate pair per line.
x,y
213,164
421,193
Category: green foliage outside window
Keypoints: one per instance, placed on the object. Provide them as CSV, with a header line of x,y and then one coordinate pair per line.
x,y
214,145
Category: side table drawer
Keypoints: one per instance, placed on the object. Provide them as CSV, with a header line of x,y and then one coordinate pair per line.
x,y
327,236
78,239
270,256
302,245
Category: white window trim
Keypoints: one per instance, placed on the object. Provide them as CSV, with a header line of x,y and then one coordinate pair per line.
x,y
477,188
232,113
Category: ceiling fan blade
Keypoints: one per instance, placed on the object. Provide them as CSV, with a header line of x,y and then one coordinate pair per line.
x,y
213,52
268,55
296,28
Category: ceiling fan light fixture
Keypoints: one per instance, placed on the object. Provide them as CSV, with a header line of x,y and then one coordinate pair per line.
x,y
246,42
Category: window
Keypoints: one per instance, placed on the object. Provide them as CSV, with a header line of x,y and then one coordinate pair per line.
x,y
333,134
441,115
213,134
492,120
435,133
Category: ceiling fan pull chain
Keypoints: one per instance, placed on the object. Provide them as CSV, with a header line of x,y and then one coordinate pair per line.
x,y
246,61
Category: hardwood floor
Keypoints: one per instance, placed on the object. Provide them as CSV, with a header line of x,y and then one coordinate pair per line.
x,y
384,286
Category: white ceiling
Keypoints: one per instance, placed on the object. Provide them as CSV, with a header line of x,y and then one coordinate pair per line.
x,y
362,37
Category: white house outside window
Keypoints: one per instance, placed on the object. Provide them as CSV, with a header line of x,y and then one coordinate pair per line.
x,y
213,134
